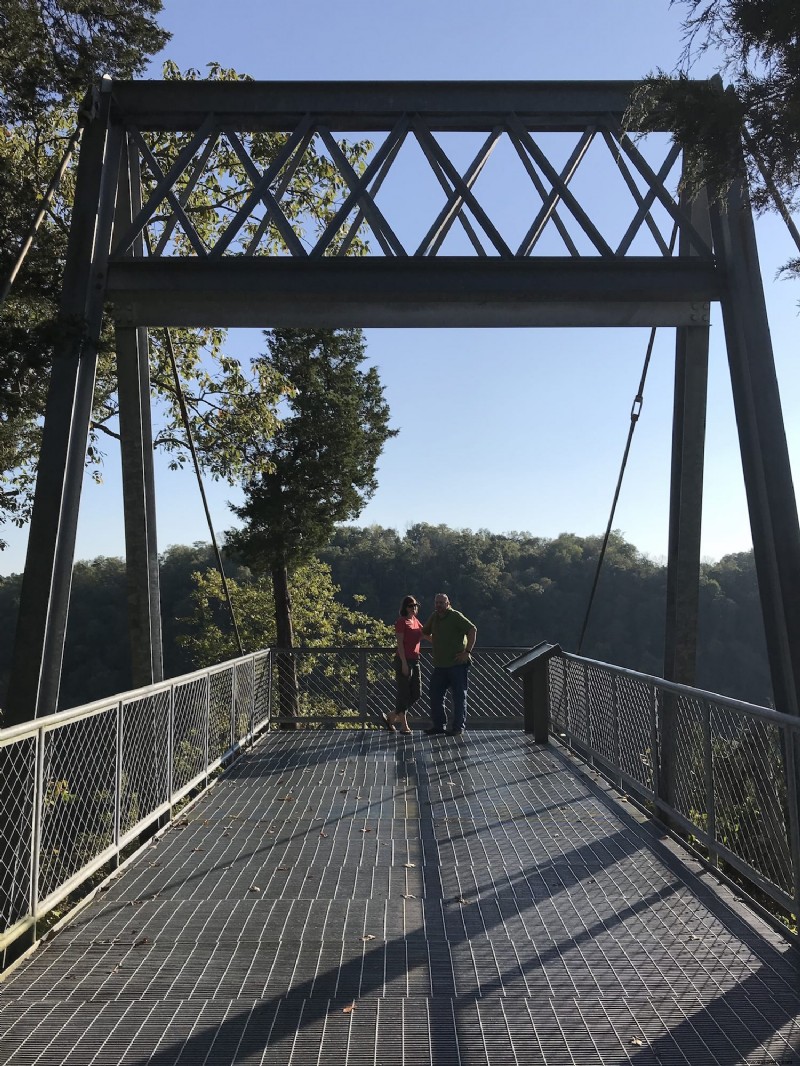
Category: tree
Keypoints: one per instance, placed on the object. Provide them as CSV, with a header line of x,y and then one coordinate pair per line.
x,y
320,618
322,462
50,53
227,406
758,46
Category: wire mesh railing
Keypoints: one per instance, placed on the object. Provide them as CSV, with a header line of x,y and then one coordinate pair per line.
x,y
356,686
722,771
79,786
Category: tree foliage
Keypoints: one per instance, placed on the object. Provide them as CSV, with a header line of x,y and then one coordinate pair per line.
x,y
320,618
52,50
322,459
518,588
229,404
757,46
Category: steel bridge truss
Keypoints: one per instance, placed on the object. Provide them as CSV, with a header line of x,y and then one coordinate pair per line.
x,y
189,212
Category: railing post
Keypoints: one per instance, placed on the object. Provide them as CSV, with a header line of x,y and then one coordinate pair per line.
x,y
36,827
615,730
792,763
659,757
587,705
170,748
234,729
253,702
118,782
363,696
708,773
207,719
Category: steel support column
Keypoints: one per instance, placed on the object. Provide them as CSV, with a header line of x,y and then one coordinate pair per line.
x,y
138,480
762,438
44,597
138,489
686,483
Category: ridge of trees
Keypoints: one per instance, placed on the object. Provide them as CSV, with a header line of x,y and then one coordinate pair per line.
x,y
518,588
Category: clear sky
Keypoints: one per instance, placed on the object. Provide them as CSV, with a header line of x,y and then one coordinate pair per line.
x,y
499,429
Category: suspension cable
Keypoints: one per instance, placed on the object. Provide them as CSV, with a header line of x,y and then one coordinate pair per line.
x,y
636,410
198,475
47,199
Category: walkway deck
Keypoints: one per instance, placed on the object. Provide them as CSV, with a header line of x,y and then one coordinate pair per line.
x,y
356,899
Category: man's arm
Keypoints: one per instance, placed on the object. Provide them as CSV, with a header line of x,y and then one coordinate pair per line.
x,y
472,636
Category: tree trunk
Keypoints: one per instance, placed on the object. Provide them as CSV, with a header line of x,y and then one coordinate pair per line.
x,y
288,687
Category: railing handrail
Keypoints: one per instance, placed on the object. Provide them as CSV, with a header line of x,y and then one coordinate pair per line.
x,y
791,721
86,710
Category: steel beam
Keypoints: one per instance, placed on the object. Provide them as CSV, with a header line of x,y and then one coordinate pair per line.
x,y
370,106
46,585
762,438
468,291
138,478
141,546
686,486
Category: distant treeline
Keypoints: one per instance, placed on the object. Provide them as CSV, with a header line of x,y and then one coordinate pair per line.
x,y
517,588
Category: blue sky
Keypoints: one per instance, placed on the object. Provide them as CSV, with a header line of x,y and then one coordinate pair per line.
x,y
499,429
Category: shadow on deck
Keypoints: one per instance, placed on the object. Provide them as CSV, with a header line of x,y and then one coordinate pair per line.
x,y
355,897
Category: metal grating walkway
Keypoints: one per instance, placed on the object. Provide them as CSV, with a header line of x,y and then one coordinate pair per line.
x,y
360,898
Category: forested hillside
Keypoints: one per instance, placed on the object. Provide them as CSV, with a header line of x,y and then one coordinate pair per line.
x,y
518,589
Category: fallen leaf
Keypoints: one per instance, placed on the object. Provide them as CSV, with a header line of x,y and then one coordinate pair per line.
x,y
368,936
349,1010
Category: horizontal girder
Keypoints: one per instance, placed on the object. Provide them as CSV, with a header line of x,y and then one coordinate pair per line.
x,y
331,292
367,106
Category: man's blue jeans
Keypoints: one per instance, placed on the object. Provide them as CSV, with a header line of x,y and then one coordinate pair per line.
x,y
455,678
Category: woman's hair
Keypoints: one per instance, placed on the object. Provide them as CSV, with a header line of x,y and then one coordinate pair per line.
x,y
408,601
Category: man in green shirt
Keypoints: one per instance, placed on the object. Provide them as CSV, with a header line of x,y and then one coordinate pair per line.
x,y
453,638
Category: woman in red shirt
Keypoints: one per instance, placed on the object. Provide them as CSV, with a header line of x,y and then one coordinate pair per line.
x,y
406,663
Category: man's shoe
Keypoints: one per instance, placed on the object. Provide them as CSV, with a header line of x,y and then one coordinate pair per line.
x,y
435,732
454,732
